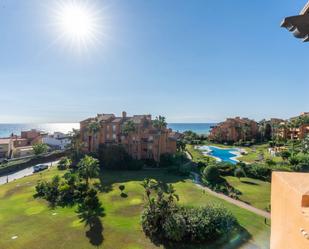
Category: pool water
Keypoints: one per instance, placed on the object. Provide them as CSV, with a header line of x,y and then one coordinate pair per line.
x,y
225,155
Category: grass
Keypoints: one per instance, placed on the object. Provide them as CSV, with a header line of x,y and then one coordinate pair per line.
x,y
254,152
196,154
254,192
38,226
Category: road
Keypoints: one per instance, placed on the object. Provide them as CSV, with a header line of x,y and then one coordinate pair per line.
x,y
21,173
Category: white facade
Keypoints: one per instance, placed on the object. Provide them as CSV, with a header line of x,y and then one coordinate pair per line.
x,y
58,140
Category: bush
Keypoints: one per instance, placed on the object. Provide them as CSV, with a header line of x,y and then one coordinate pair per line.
x,y
113,157
174,227
258,171
239,173
163,219
211,174
135,164
64,163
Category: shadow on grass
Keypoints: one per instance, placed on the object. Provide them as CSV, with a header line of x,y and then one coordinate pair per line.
x,y
110,177
237,238
250,183
95,232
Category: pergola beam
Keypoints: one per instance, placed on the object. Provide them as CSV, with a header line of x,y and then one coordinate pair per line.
x,y
298,25
305,10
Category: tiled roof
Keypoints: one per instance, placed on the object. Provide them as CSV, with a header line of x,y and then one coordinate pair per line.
x,y
105,117
117,120
5,140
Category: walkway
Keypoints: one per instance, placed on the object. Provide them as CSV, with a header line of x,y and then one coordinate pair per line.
x,y
229,199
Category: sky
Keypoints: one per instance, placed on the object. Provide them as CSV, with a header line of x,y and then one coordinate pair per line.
x,y
190,61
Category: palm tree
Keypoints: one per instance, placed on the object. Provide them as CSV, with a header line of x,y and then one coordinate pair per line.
x,y
159,123
88,168
128,127
76,144
149,185
93,128
171,192
292,125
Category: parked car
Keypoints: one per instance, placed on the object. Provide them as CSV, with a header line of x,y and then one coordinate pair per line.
x,y
39,167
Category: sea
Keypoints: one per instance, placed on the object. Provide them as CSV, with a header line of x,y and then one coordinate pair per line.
x,y
7,129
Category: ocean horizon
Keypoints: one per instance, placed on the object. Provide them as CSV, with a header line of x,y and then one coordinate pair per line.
x,y
7,129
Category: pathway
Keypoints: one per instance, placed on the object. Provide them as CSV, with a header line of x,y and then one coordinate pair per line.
x,y
229,199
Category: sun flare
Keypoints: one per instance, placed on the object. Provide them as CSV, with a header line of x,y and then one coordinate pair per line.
x,y
78,23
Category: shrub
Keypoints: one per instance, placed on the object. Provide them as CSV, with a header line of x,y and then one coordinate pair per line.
x,y
166,160
174,227
285,154
64,163
121,188
135,164
163,219
39,149
239,173
258,171
185,169
211,174
113,157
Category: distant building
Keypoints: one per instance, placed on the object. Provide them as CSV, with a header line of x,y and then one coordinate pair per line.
x,y
20,146
289,211
145,142
6,148
297,131
58,140
234,130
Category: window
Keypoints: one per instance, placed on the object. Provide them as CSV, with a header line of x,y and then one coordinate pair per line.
x,y
107,136
114,136
114,128
305,201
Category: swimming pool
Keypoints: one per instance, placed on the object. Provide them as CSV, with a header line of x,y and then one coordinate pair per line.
x,y
225,155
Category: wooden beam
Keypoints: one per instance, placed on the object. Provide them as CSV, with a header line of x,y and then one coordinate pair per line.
x,y
305,10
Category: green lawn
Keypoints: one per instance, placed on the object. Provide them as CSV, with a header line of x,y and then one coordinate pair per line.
x,y
253,152
38,226
254,192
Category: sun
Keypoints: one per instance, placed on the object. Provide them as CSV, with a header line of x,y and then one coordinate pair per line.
x,y
78,24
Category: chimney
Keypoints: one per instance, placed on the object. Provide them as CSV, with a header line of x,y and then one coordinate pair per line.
x,y
124,114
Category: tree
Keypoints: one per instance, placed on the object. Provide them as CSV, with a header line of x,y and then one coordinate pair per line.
x,y
93,128
285,154
181,145
39,148
305,145
121,188
114,157
90,208
211,174
88,168
76,145
159,123
128,127
239,172
64,163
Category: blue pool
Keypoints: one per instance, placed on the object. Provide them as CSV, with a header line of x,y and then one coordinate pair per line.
x,y
225,155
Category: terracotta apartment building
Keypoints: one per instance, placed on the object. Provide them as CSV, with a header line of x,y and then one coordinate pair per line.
x,y
298,132
145,142
18,146
234,130
289,210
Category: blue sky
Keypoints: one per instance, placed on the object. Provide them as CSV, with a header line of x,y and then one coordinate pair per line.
x,y
191,61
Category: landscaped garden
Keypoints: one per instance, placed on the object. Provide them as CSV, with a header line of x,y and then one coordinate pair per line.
x,y
31,223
